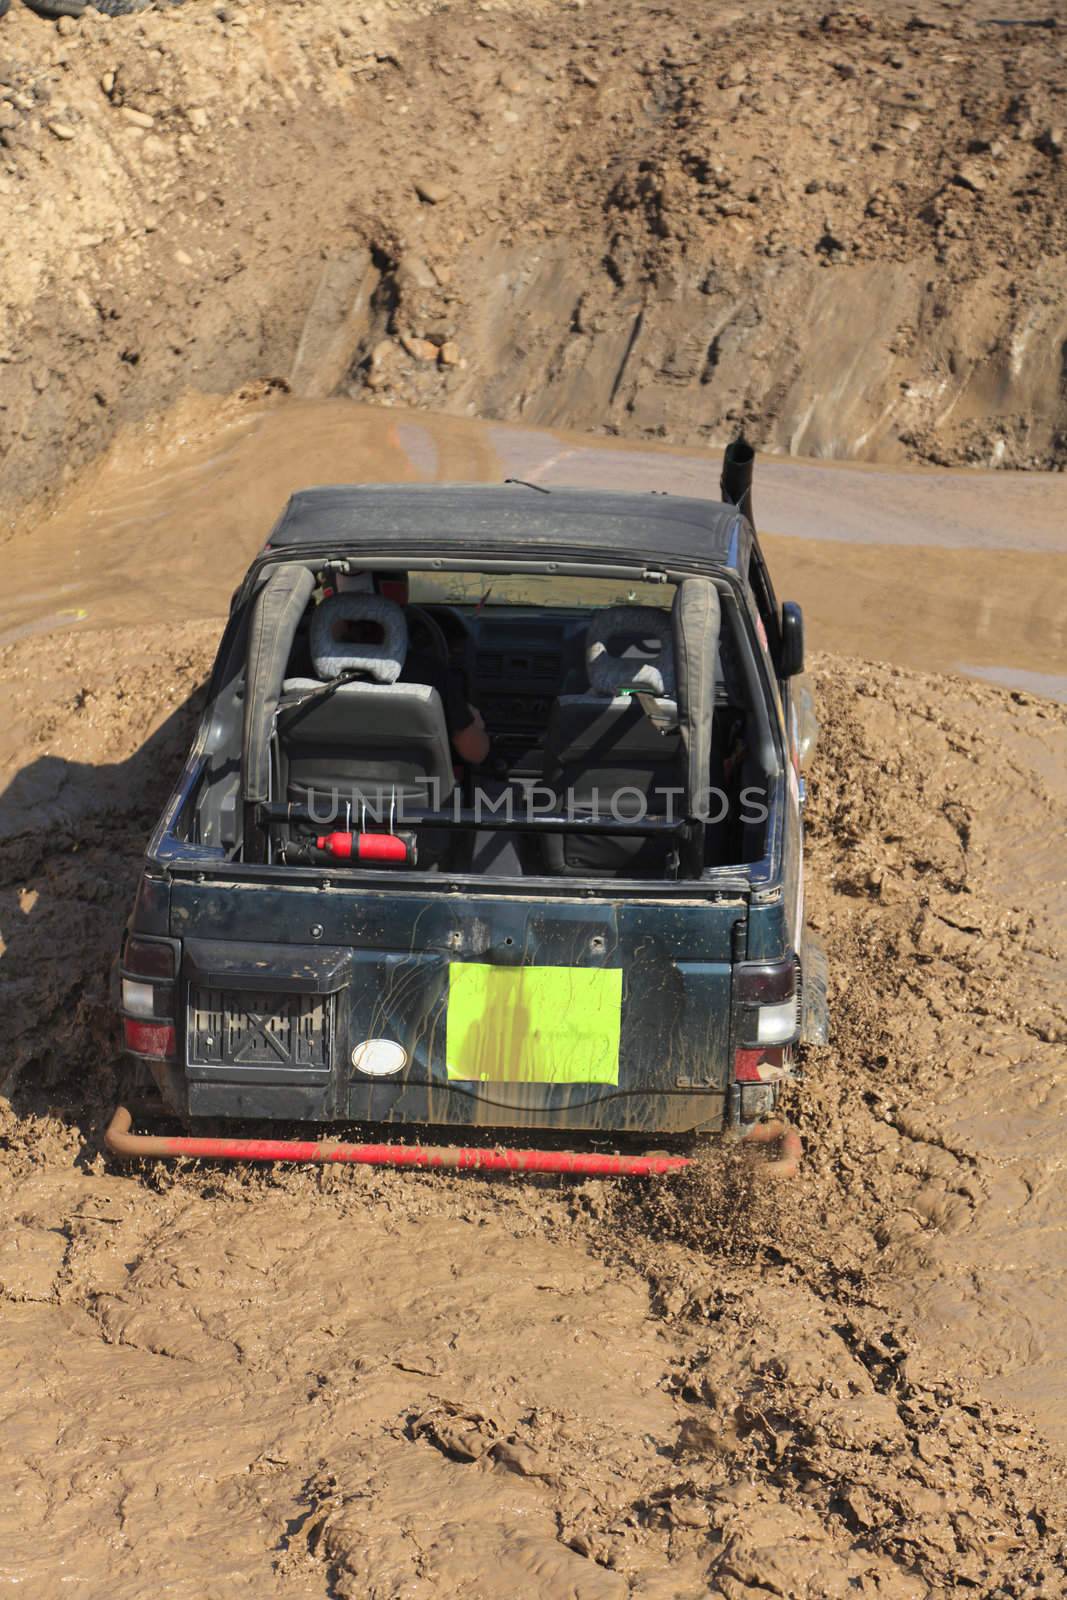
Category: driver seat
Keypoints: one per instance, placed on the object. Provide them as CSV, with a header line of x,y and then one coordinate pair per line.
x,y
371,740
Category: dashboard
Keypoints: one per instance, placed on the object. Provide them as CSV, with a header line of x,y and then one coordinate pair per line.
x,y
515,662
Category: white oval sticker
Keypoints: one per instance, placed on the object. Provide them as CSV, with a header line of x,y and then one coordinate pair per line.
x,y
379,1058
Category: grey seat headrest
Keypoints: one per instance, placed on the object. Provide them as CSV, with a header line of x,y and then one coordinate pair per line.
x,y
630,646
382,661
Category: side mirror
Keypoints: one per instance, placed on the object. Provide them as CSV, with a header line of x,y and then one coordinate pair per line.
x,y
792,660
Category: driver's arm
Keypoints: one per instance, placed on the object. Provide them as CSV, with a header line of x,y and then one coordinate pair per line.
x,y
471,743
466,729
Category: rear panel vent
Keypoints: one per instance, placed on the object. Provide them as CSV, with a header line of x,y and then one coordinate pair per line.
x,y
274,1034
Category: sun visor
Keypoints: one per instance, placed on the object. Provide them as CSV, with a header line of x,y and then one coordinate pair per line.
x,y
695,623
276,613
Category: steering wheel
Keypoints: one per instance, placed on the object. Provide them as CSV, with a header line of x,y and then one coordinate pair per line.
x,y
419,618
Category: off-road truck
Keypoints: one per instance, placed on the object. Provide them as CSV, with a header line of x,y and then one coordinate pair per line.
x,y
598,929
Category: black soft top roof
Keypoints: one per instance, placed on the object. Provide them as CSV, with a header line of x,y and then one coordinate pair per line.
x,y
460,519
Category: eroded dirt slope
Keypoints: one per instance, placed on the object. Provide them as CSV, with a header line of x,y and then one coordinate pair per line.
x,y
382,1385
840,227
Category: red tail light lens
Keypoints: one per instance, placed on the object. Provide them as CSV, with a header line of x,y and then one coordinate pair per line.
x,y
150,1038
760,1066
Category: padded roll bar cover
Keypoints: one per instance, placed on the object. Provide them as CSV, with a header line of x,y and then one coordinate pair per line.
x,y
695,619
276,613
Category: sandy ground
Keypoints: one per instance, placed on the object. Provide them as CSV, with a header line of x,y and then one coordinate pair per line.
x,y
844,228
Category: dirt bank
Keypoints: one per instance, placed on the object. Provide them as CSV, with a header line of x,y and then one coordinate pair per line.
x,y
843,229
575,1390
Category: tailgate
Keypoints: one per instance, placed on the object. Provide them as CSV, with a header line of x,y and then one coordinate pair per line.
x,y
409,1008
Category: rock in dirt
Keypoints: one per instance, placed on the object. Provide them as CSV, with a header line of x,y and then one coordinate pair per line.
x,y
57,9
432,191
419,349
969,175
520,1458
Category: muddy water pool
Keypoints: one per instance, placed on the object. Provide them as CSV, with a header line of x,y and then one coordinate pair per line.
x,y
944,570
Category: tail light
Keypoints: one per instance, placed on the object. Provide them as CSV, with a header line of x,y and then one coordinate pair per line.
x,y
147,975
762,1066
146,999
156,1039
767,996
151,958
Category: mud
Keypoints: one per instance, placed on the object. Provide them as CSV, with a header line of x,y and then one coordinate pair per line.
x,y
842,228
950,570
378,1384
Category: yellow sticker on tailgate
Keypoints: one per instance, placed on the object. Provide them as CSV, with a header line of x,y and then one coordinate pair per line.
x,y
533,1024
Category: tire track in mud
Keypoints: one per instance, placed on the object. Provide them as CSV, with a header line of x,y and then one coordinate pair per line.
x,y
369,1384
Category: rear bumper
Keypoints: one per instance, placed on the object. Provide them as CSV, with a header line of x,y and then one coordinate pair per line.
x,y
447,1106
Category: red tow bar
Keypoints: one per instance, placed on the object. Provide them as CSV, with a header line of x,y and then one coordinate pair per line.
x,y
790,1148
574,1163
586,1164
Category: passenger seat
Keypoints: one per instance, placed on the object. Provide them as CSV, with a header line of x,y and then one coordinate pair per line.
x,y
376,738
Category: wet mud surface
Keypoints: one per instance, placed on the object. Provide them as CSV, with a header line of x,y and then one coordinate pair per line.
x,y
947,570
373,1384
